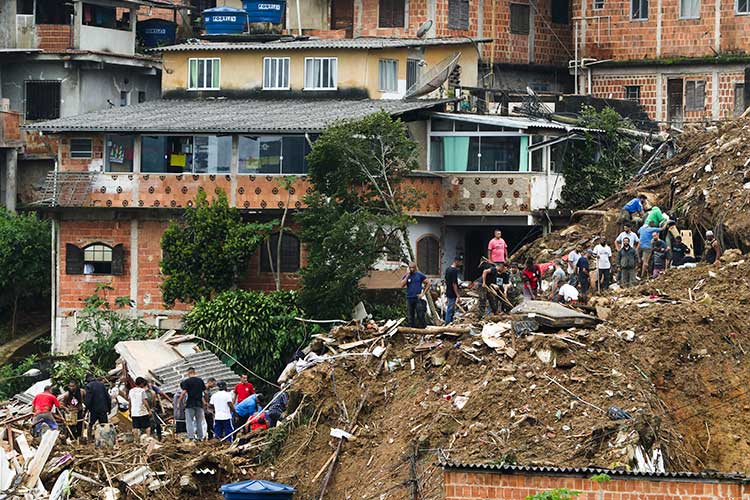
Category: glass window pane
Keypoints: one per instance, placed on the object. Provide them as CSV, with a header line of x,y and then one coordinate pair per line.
x,y
249,154
193,74
473,158
213,154
201,73
294,155
118,156
153,153
500,154
537,156
270,155
465,126
437,156
441,125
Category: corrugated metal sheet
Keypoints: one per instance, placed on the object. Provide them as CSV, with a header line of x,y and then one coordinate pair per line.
x,y
229,115
364,43
206,365
734,477
516,122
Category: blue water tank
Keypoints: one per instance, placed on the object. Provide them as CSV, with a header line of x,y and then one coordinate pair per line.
x,y
264,11
224,21
156,32
257,489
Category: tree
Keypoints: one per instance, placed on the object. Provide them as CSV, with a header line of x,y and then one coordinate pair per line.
x,y
24,258
286,185
357,168
207,252
602,163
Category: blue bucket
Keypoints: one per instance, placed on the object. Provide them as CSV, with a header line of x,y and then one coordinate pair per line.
x,y
264,11
224,21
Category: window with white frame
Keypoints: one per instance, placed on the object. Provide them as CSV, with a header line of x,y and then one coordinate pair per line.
x,y
638,9
690,9
598,4
321,73
633,93
743,6
204,74
275,73
388,75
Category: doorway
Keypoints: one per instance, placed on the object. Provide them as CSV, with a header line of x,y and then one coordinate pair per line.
x,y
342,16
674,101
476,238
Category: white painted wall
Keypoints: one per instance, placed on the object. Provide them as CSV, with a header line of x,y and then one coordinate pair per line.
x,y
107,40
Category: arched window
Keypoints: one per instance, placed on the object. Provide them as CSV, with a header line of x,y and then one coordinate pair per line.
x,y
290,253
96,258
428,255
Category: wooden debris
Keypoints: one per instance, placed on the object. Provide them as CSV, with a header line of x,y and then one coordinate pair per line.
x,y
40,458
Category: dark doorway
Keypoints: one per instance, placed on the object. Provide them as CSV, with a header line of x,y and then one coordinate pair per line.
x,y
342,16
674,101
476,239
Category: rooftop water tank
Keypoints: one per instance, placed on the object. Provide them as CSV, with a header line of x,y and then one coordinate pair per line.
x,y
257,489
264,11
224,21
156,32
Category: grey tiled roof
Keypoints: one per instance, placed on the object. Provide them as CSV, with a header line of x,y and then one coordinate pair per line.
x,y
589,471
364,43
228,115
206,365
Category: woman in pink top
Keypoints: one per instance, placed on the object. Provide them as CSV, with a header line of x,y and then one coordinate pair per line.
x,y
497,250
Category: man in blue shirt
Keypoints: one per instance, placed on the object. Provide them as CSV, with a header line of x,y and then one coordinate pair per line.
x,y
646,236
246,409
633,210
582,269
415,283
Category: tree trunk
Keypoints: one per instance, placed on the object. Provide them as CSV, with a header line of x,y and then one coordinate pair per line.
x,y
277,274
430,303
13,319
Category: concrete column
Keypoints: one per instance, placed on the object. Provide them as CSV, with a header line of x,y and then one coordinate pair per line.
x,y
658,28
480,18
659,97
234,169
432,14
715,95
135,185
717,24
581,40
532,29
11,170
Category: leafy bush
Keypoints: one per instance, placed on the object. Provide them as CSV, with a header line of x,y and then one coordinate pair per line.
x,y
257,328
12,380
74,368
556,494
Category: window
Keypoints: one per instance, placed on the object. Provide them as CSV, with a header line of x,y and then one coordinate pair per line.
x,y
53,12
456,153
80,148
536,159
739,99
743,6
560,11
458,14
204,74
391,13
24,7
118,153
320,73
598,4
519,19
141,96
388,75
638,9
124,98
275,73
695,95
290,253
633,93
186,154
96,258
101,16
690,9
428,255
273,154
412,72
42,99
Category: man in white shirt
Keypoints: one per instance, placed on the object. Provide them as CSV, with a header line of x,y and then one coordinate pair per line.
x,y
140,414
568,293
573,257
627,233
221,400
603,253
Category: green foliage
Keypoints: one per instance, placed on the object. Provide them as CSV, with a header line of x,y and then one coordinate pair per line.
x,y
24,258
105,325
600,165
208,251
357,168
600,478
556,494
12,380
257,328
74,368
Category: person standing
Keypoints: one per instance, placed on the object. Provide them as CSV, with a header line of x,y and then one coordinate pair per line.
x,y
515,290
242,390
633,210
72,402
583,271
646,237
140,413
573,257
416,284
603,254
658,256
221,401
98,403
630,235
531,279
194,396
713,249
497,249
178,411
626,261
452,292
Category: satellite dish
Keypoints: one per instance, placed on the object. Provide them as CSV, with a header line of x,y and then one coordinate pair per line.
x,y
424,28
434,78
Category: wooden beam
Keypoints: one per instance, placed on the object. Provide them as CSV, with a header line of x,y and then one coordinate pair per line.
x,y
34,469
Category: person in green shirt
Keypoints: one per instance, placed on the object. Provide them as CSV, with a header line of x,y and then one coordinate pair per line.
x,y
656,216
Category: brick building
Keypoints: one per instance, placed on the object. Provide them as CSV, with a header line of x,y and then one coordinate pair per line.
x,y
683,60
511,482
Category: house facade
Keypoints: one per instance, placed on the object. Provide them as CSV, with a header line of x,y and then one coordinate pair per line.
x,y
683,60
63,58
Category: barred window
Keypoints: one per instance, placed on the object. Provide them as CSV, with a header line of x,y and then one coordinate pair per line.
x,y
290,253
428,255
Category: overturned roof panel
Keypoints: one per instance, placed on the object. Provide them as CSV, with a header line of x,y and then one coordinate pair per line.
x,y
518,122
206,365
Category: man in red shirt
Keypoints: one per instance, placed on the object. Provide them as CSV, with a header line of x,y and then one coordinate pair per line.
x,y
42,406
243,390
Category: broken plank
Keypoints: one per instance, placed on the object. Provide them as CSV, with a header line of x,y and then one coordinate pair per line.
x,y
435,330
358,343
36,465
23,445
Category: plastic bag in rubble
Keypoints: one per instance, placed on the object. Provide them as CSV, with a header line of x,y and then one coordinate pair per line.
x,y
616,413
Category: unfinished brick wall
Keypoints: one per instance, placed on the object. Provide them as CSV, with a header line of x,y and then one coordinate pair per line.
x,y
614,87
472,485
54,37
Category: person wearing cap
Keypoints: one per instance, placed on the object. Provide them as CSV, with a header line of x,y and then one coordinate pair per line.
x,y
713,249
452,292
221,402
583,270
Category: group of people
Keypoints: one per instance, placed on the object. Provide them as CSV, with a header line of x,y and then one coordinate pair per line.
x,y
201,409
